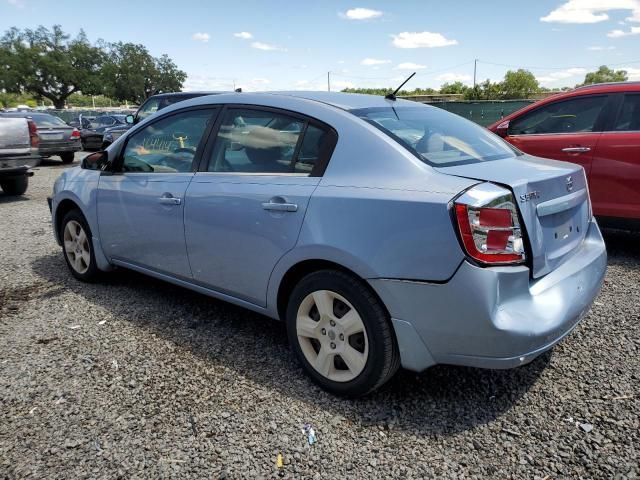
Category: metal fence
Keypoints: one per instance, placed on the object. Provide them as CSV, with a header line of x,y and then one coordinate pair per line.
x,y
482,112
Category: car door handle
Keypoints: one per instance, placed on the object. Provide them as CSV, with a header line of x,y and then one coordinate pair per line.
x,y
280,204
576,149
168,199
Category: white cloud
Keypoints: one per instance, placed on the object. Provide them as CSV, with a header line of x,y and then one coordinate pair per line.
x,y
336,85
598,48
451,77
201,37
634,73
591,11
361,14
267,47
409,66
243,35
205,83
373,61
17,3
421,40
556,77
621,33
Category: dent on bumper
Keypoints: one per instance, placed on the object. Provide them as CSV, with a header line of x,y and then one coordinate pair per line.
x,y
493,317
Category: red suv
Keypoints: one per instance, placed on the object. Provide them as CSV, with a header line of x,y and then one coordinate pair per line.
x,y
596,126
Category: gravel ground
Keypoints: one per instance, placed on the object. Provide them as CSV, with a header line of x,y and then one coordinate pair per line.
x,y
136,378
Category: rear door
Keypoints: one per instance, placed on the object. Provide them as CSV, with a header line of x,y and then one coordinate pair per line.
x,y
245,208
615,174
566,130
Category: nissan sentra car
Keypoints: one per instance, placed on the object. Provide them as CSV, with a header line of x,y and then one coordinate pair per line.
x,y
377,246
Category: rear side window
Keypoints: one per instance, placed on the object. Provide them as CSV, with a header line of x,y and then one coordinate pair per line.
x,y
569,116
266,142
629,117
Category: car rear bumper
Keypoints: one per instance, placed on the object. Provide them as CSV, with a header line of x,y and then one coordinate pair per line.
x,y
17,166
493,317
55,148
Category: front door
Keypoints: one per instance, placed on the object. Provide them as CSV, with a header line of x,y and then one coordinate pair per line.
x,y
141,205
566,130
245,211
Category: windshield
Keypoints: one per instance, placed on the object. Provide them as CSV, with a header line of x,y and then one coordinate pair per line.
x,y
436,136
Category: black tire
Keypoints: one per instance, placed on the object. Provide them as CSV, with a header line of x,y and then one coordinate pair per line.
x,y
92,272
383,355
15,186
67,157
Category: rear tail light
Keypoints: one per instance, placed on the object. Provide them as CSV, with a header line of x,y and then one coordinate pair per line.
x,y
75,133
487,220
33,134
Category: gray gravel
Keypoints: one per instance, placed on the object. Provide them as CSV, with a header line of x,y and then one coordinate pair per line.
x,y
136,378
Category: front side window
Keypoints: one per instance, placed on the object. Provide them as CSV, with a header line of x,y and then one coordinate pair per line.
x,y
568,116
256,141
168,145
437,137
629,118
149,107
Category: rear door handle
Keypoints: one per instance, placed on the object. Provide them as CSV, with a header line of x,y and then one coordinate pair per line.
x,y
280,204
576,149
168,199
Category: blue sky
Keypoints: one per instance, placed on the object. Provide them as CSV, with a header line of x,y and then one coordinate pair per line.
x,y
282,44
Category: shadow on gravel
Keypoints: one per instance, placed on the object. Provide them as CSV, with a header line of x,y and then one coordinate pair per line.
x,y
4,198
442,400
623,246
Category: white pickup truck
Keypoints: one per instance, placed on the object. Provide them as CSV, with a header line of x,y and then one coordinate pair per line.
x,y
18,154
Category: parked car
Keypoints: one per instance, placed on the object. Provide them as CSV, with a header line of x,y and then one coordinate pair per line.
x,y
18,153
150,106
376,250
56,137
596,126
92,135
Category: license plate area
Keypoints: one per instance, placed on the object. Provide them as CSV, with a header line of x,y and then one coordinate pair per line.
x,y
52,136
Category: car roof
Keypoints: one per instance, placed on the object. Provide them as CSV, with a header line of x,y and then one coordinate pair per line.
x,y
346,101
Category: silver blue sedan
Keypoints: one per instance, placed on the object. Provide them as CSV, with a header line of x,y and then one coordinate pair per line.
x,y
385,233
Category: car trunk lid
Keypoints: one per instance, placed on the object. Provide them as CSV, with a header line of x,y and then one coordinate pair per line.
x,y
54,134
552,198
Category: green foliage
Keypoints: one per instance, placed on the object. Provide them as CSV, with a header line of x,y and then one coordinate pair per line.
x,y
519,84
454,88
49,64
131,73
605,74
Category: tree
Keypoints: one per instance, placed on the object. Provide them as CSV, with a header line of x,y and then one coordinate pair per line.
x,y
605,74
48,64
486,90
131,73
519,84
454,88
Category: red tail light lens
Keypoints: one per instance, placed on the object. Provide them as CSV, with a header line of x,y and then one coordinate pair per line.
x,y
75,133
33,134
489,227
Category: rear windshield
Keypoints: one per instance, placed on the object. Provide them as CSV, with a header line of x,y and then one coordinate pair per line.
x,y
436,136
43,120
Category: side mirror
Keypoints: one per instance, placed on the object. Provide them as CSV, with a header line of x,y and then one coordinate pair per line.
x,y
129,119
95,161
503,129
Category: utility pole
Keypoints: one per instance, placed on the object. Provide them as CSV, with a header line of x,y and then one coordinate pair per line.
x,y
328,81
475,66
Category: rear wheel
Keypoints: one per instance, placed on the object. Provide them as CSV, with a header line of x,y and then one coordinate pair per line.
x,y
341,333
77,247
15,186
67,157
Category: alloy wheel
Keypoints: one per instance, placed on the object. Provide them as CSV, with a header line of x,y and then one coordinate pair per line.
x,y
76,246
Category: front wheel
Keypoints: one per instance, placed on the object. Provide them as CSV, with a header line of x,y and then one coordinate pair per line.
x,y
67,157
77,247
15,186
341,333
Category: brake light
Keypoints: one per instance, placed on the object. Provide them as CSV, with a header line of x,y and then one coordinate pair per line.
x,y
75,133
33,134
489,227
